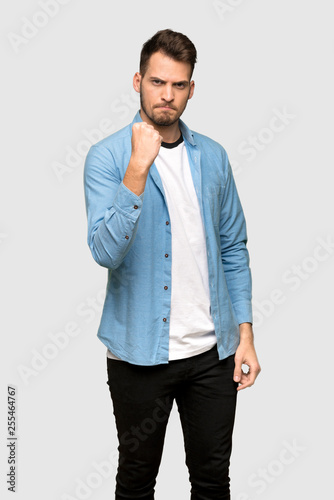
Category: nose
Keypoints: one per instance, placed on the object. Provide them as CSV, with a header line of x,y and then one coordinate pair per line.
x,y
168,93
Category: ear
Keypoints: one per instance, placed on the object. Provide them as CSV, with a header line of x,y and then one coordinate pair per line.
x,y
136,82
192,89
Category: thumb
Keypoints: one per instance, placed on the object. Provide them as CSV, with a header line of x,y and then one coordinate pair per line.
x,y
237,369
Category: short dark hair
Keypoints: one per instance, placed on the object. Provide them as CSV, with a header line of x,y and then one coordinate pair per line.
x,y
172,44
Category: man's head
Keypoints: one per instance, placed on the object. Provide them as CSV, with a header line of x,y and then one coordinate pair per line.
x,y
166,66
172,44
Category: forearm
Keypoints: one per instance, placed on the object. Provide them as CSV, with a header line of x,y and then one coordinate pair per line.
x,y
135,177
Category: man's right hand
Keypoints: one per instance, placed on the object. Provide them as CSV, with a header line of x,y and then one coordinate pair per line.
x,y
146,142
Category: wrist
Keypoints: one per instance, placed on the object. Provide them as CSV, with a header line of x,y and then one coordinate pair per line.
x,y
135,178
138,166
246,332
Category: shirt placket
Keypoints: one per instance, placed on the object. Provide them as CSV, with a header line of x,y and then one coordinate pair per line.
x,y
166,274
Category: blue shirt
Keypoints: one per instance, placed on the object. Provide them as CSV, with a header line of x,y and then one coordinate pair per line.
x,y
130,235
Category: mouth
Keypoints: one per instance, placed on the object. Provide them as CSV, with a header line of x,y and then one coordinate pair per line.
x,y
165,107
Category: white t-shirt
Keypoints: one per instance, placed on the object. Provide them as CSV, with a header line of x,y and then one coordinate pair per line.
x,y
191,328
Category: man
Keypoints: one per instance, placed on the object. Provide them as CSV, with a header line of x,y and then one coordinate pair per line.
x,y
164,217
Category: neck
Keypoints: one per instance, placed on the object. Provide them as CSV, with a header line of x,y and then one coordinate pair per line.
x,y
170,133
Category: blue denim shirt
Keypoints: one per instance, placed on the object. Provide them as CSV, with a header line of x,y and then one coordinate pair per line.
x,y
131,236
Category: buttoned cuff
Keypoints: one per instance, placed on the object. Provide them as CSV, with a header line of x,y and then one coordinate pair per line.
x,y
128,202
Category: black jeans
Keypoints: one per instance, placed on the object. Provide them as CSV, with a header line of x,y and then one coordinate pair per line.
x,y
143,396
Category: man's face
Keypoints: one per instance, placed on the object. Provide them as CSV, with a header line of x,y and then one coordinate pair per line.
x,y
164,89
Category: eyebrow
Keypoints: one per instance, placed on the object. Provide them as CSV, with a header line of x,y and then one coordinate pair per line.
x,y
184,82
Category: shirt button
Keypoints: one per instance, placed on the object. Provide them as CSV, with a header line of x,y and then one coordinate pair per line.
x,y
166,287
164,320
135,206
167,222
166,255
126,237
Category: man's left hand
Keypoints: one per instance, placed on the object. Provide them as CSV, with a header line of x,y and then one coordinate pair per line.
x,y
246,355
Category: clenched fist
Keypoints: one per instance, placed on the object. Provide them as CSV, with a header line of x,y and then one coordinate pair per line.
x,y
146,142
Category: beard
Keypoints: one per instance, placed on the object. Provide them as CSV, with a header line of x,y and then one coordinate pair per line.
x,y
161,118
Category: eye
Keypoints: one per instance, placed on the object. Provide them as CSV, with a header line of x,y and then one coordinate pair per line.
x,y
180,85
156,82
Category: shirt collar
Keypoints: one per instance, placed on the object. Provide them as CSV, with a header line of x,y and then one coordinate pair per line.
x,y
186,132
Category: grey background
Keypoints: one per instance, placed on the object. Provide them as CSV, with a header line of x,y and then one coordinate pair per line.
x,y
74,73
